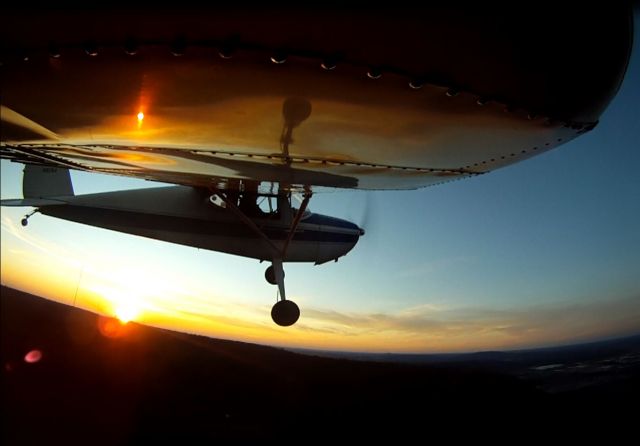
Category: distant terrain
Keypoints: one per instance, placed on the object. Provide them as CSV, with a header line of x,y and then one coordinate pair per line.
x,y
607,368
98,382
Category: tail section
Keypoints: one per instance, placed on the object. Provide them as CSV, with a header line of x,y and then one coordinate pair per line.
x,y
44,181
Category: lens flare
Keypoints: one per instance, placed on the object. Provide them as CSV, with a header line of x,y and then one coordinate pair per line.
x,y
110,327
140,116
33,356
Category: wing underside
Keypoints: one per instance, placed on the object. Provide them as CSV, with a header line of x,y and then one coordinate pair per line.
x,y
430,99
402,139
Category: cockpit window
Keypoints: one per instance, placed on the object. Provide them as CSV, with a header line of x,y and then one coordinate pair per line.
x,y
268,205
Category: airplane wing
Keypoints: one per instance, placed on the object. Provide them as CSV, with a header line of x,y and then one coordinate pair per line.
x,y
370,102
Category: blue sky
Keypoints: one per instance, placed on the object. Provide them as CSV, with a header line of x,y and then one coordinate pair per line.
x,y
543,252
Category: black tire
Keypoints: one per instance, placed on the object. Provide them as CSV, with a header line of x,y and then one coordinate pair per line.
x,y
285,313
270,275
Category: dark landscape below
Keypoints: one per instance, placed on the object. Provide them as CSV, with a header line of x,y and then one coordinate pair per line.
x,y
144,385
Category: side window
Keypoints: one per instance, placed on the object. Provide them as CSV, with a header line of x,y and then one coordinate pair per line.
x,y
267,205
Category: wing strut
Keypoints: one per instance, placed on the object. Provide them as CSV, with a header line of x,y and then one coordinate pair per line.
x,y
296,221
247,221
284,312
278,253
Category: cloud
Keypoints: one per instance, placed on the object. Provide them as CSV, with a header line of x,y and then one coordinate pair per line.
x,y
476,327
28,238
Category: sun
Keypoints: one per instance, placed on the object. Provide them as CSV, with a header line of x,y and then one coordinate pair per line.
x,y
126,311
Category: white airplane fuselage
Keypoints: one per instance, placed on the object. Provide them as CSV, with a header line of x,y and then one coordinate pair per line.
x,y
186,216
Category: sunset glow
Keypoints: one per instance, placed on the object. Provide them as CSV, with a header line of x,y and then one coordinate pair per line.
x,y
126,312
203,292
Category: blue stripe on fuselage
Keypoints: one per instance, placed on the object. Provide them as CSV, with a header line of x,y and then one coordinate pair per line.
x,y
139,223
325,220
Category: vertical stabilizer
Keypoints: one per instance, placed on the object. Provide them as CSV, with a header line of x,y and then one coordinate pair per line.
x,y
45,181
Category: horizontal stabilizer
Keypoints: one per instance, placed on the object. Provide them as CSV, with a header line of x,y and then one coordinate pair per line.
x,y
34,202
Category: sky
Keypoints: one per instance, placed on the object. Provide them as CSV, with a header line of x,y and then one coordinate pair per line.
x,y
544,252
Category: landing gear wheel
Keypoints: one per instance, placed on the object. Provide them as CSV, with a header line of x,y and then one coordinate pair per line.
x,y
24,222
285,313
270,275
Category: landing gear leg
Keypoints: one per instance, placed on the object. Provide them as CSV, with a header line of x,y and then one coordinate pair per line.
x,y
284,312
25,220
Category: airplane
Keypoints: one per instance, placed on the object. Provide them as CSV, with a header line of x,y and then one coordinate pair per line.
x,y
243,110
